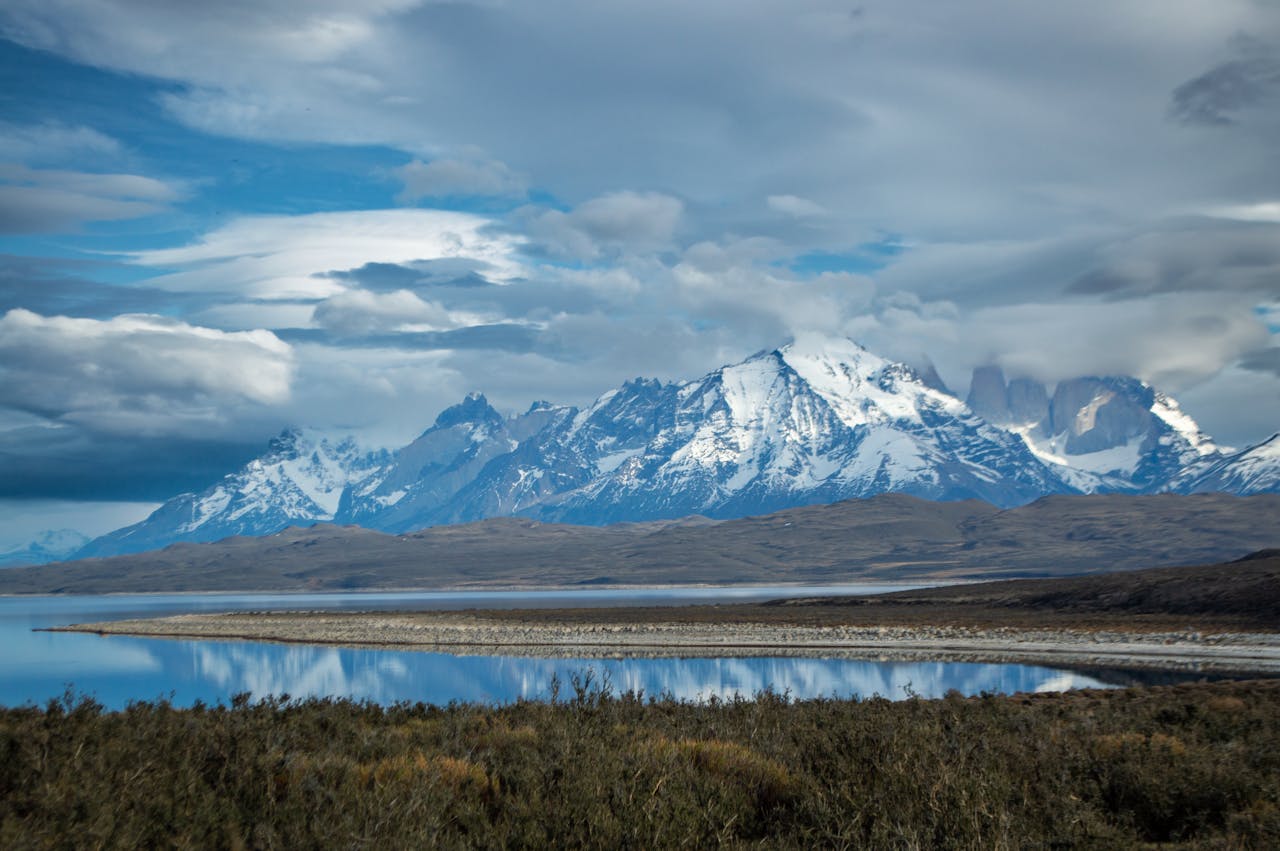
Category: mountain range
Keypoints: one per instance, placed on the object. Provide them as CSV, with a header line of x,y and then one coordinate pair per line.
x,y
816,421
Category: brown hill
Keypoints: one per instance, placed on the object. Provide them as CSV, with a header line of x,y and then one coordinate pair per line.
x,y
886,538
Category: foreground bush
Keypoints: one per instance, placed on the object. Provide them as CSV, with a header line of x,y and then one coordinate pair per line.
x,y
1195,766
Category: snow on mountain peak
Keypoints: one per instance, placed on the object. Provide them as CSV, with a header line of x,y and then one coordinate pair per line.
x,y
1167,409
816,420
862,388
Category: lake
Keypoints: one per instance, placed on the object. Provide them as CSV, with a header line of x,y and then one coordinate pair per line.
x,y
38,666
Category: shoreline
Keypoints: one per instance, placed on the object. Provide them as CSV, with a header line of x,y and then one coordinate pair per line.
x,y
469,633
475,588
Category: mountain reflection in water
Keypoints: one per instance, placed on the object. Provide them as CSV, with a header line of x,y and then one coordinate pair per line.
x,y
116,670
389,676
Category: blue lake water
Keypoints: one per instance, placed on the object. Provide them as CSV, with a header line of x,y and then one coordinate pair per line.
x,y
37,666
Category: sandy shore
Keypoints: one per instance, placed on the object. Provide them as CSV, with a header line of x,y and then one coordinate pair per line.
x,y
468,633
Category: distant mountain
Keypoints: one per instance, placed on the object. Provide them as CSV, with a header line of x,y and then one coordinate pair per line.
x,y
816,421
52,545
300,480
1099,434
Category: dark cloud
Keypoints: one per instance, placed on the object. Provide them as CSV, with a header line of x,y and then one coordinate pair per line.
x,y
389,277
1263,360
59,287
501,337
52,201
66,463
1199,253
1219,95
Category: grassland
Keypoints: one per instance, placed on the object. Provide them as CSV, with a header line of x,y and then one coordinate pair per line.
x,y
1194,766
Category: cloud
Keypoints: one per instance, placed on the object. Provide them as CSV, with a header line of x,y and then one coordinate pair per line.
x,y
137,373
795,206
1249,79
447,272
454,177
360,312
622,221
290,257
67,462
1059,209
1263,211
1263,360
1194,254
50,201
1173,340
1239,407
67,287
53,143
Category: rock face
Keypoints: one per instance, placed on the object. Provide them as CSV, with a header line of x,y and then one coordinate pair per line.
x,y
816,421
1101,434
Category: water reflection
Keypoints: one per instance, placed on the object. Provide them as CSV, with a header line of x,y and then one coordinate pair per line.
x,y
388,676
37,666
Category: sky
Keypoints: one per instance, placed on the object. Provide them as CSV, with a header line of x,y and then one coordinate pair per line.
x,y
218,220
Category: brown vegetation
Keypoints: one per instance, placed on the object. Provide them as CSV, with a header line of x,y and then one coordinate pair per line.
x,y
893,537
1193,766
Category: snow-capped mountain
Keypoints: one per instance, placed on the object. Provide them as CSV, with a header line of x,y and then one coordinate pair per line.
x,y
434,474
1253,470
51,545
1100,434
299,481
815,421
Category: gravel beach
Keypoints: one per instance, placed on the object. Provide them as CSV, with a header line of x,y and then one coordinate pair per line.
x,y
477,634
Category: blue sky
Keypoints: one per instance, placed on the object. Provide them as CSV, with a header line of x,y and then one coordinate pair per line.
x,y
216,222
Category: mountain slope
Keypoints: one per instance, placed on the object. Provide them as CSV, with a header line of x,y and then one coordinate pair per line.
x,y
300,480
1253,470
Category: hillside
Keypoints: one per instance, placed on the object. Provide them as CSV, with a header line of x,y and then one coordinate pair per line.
x,y
886,538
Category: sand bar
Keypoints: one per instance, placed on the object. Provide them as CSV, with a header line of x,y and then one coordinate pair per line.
x,y
466,633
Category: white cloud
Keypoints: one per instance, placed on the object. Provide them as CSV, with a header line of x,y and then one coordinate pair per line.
x,y
53,143
795,206
1263,211
286,257
146,373
356,312
445,177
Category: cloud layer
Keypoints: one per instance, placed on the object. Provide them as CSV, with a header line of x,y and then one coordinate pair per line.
x,y
136,373
556,197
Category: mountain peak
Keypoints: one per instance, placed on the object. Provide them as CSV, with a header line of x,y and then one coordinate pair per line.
x,y
827,347
475,408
